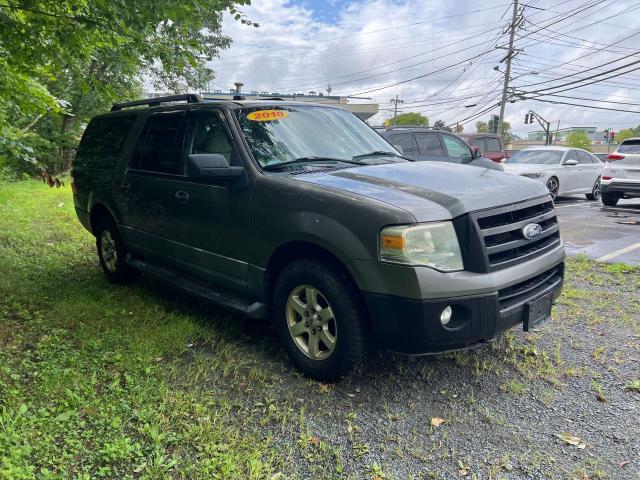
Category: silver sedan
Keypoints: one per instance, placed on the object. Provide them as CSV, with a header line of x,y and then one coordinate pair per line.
x,y
564,170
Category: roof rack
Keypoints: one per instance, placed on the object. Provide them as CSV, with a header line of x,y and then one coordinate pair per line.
x,y
152,102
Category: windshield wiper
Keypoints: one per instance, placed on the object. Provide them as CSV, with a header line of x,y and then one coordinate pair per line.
x,y
309,159
376,153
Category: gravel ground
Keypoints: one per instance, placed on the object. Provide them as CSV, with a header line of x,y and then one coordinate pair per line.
x,y
557,403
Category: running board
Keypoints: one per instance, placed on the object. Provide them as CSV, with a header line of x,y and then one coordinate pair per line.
x,y
237,304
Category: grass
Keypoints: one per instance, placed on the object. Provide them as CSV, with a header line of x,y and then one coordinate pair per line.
x,y
92,382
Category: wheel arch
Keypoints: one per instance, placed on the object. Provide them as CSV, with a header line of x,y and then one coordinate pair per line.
x,y
98,211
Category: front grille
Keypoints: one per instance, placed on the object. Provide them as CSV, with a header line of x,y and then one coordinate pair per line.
x,y
501,232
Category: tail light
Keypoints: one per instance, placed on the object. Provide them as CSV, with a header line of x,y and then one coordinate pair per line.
x,y
606,177
614,156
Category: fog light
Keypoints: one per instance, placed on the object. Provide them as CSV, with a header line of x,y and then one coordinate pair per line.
x,y
445,316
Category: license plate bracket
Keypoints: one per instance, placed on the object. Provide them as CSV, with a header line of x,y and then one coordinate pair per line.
x,y
537,311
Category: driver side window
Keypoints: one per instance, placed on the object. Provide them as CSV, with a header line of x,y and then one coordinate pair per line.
x,y
456,147
210,136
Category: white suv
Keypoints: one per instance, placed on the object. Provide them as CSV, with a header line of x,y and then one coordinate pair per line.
x,y
621,174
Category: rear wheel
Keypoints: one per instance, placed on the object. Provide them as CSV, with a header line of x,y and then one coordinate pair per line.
x,y
112,253
319,320
595,191
554,187
610,199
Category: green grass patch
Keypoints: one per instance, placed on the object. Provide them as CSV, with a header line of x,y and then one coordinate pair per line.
x,y
93,380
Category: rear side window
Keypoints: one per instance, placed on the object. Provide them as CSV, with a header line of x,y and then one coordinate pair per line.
x,y
429,144
629,146
571,155
103,140
406,142
492,145
160,145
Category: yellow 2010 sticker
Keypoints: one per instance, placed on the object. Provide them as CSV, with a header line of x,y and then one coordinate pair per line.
x,y
266,115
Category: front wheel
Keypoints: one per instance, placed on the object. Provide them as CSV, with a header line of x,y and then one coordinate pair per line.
x,y
595,191
610,199
554,187
319,320
112,253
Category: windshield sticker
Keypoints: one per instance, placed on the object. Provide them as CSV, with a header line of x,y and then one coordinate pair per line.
x,y
267,115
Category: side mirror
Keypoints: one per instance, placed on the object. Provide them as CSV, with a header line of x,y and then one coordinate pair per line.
x,y
571,162
399,148
212,166
476,152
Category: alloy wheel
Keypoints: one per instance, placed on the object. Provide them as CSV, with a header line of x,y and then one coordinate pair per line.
x,y
109,251
553,187
596,190
311,322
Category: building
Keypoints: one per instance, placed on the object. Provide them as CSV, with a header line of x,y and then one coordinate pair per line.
x,y
596,137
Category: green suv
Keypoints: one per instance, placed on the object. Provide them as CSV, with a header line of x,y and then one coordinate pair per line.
x,y
303,214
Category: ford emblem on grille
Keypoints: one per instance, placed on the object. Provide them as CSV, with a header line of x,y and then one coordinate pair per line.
x,y
531,231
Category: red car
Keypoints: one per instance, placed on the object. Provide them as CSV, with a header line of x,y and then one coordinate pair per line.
x,y
490,144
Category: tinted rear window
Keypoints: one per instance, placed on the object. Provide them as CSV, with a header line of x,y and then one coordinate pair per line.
x,y
103,140
492,145
629,146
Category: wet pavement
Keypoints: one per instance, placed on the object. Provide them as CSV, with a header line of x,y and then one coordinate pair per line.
x,y
607,234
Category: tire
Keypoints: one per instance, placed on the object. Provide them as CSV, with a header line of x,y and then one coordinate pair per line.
x,y
610,199
312,301
112,253
553,185
595,191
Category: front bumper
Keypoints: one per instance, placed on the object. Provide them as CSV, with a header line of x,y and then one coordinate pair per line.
x,y
413,326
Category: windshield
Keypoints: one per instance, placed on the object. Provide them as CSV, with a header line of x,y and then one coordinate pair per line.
x,y
544,157
286,133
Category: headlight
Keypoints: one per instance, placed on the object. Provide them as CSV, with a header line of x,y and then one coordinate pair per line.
x,y
431,244
532,175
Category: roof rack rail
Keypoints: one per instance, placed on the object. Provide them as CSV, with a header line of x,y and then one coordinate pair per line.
x,y
152,102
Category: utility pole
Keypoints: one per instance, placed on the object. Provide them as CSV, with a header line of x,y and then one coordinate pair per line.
x,y
395,101
555,137
507,73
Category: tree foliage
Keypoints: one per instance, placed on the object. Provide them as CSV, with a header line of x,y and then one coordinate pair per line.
x,y
492,126
579,140
62,61
408,118
622,135
440,125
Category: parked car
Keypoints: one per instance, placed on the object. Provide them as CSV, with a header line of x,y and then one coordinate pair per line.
x,y
621,174
420,144
490,144
302,213
564,170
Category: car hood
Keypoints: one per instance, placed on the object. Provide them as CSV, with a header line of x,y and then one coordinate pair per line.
x,y
521,168
431,190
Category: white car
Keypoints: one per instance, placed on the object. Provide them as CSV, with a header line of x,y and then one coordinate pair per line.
x,y
564,170
621,174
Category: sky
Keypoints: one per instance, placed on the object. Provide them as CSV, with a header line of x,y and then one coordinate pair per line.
x,y
439,57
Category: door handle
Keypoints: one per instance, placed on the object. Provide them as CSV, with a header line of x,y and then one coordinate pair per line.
x,y
124,186
182,197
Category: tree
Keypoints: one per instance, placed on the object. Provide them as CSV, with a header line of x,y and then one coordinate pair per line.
x,y
440,125
482,127
579,140
492,125
63,61
459,128
409,118
622,135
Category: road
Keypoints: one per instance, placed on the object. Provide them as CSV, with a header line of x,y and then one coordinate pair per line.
x,y
608,234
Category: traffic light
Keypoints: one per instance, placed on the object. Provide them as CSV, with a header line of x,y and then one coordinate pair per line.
x,y
606,135
612,136
528,118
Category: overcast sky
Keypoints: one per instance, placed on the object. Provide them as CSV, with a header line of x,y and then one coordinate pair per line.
x,y
366,48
